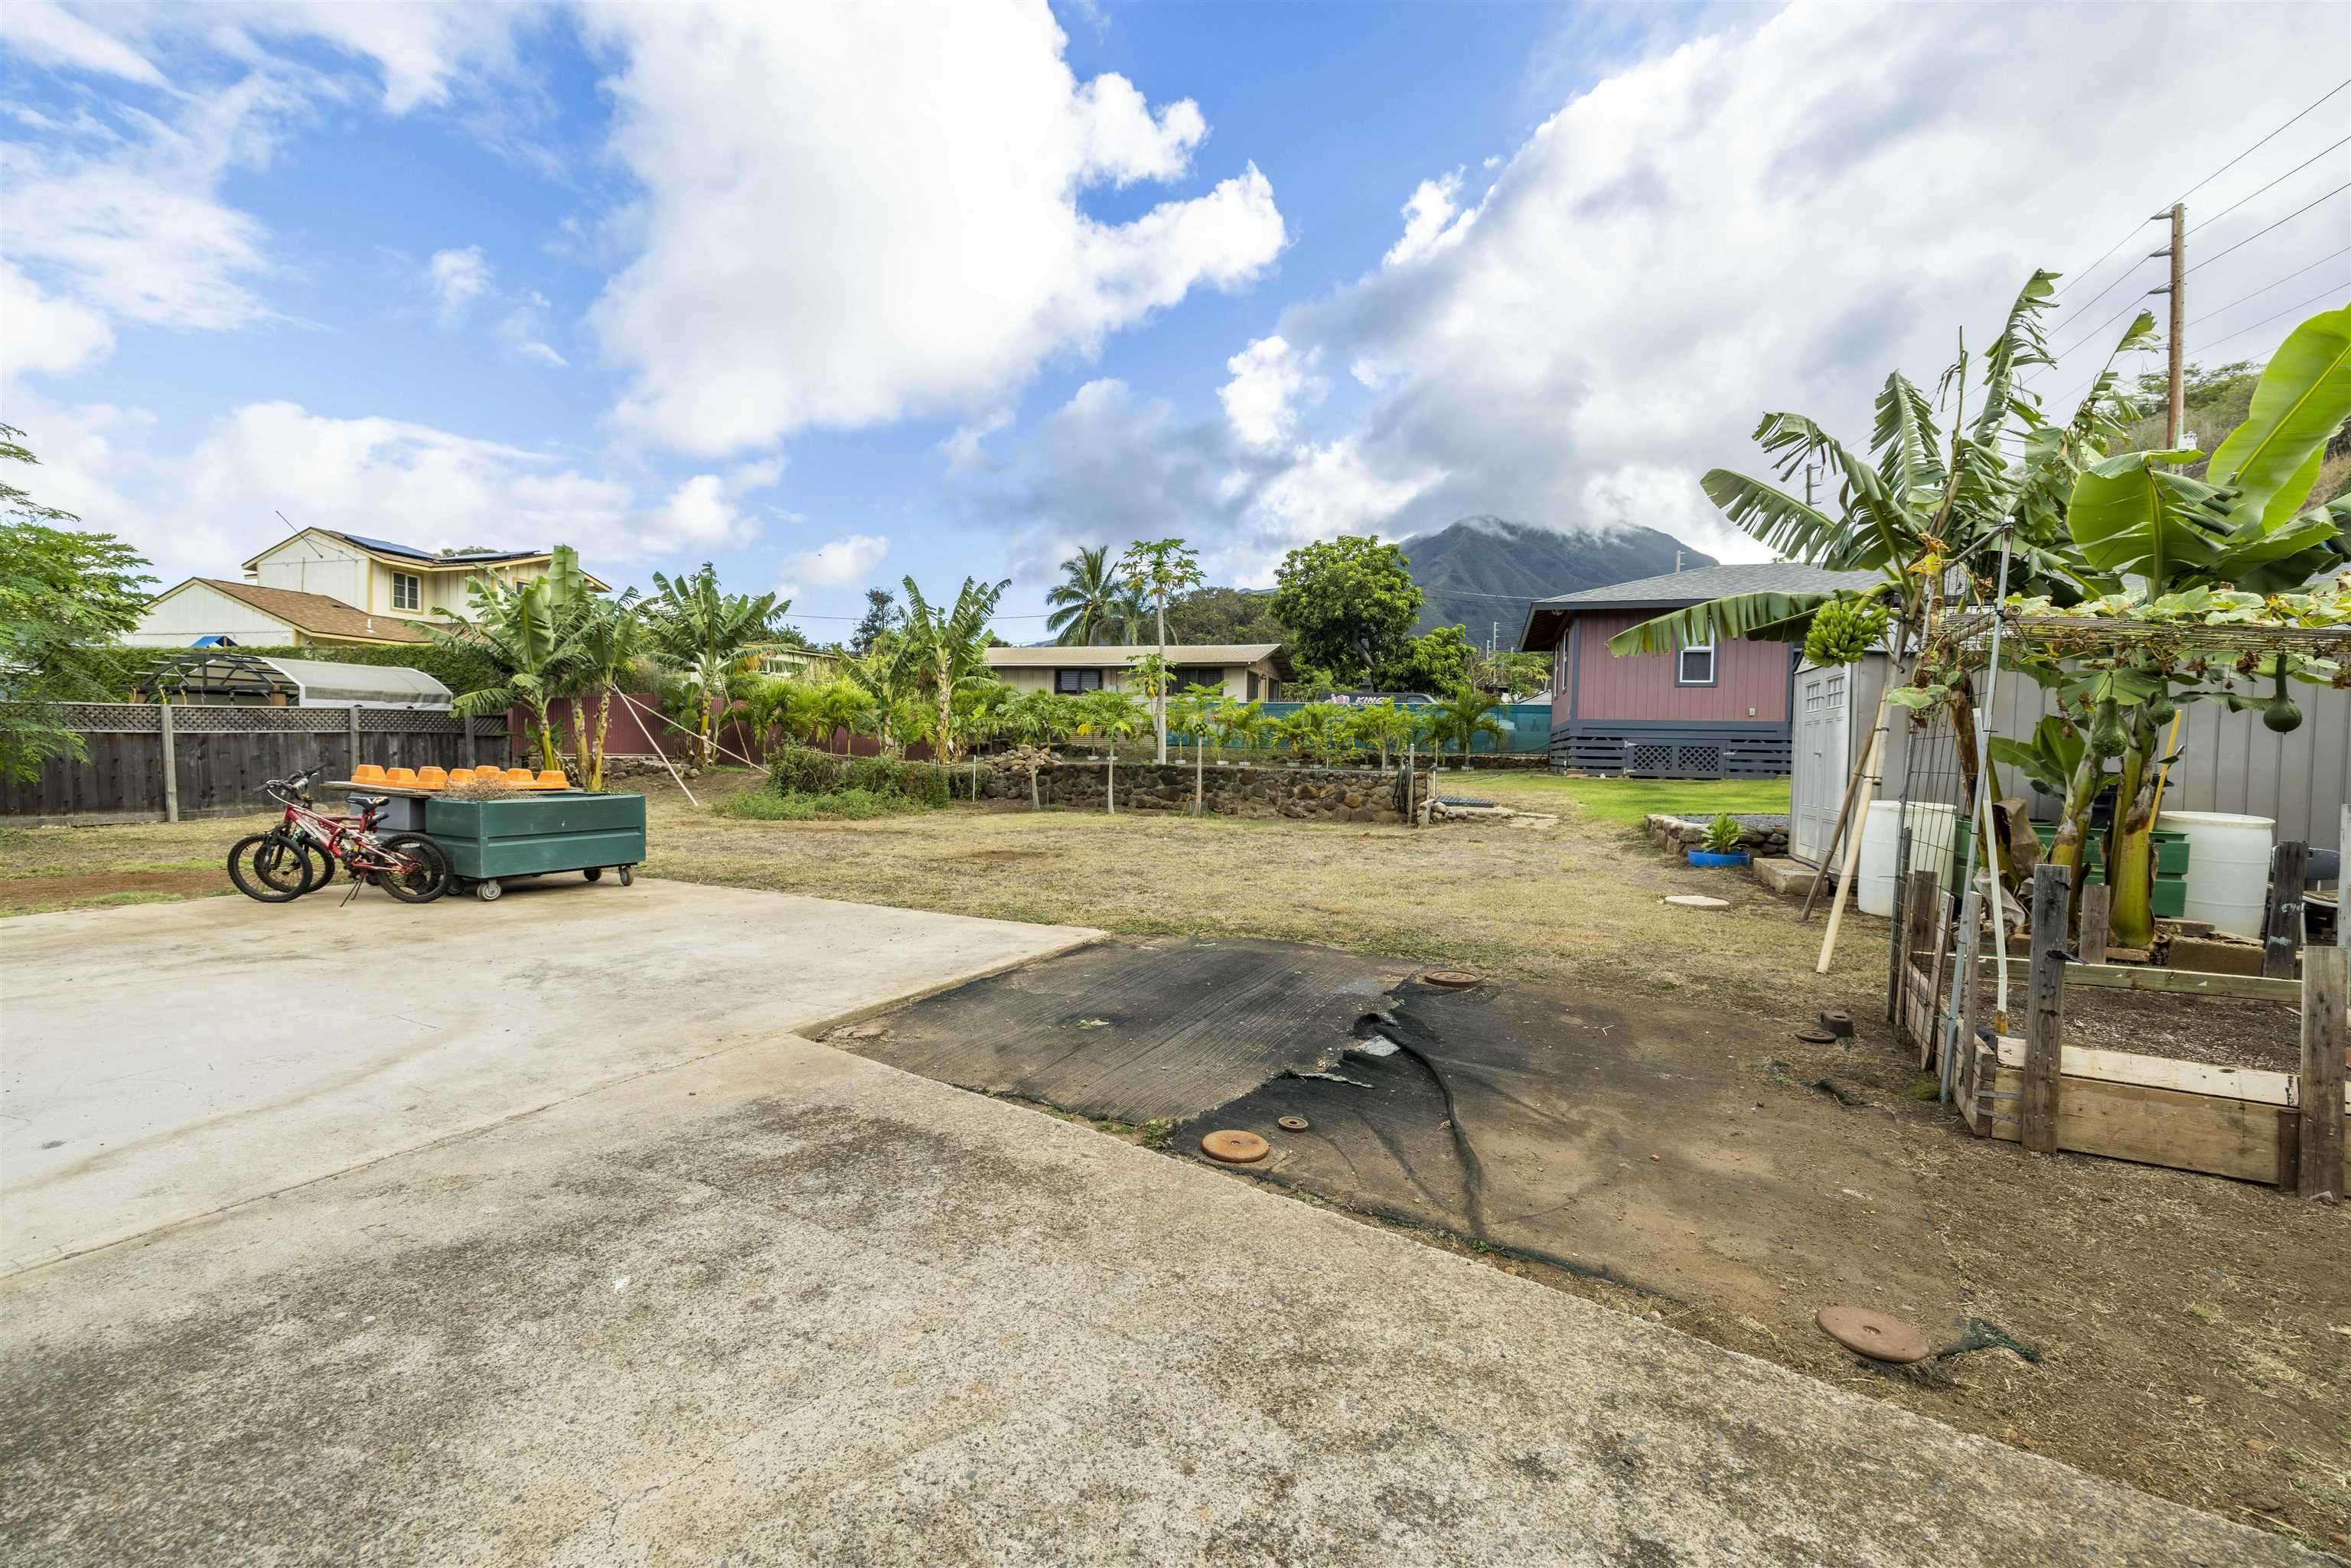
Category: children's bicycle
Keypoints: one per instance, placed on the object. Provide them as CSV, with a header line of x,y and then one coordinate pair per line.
x,y
303,850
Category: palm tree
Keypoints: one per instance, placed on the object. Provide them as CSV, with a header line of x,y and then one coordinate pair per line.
x,y
841,705
1113,715
1462,717
1197,713
1087,603
949,645
1038,721
1247,721
704,635
521,629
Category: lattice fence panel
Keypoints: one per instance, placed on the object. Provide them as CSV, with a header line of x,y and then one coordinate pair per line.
x,y
198,719
112,719
409,721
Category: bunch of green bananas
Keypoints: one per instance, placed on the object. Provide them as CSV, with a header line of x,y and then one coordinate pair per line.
x,y
1844,630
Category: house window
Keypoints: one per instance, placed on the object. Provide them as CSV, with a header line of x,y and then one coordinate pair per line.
x,y
1070,683
407,590
1693,666
1186,675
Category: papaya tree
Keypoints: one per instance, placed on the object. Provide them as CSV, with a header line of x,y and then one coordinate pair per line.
x,y
1111,716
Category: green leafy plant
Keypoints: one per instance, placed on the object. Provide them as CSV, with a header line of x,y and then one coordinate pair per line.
x,y
1723,834
521,629
1349,604
1461,718
949,645
1161,569
1108,716
708,638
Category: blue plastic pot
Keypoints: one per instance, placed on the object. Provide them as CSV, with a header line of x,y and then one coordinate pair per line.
x,y
1715,857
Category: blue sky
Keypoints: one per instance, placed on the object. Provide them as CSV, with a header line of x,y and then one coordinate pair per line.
x,y
831,295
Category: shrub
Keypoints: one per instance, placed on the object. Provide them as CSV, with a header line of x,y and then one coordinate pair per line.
x,y
802,770
846,805
925,782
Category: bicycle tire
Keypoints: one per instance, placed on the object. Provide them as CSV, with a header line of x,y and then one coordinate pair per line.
x,y
247,875
434,860
315,867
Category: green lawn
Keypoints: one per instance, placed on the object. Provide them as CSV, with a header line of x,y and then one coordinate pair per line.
x,y
1621,801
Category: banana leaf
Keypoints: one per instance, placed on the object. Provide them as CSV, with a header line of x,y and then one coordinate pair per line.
x,y
2302,400
2130,515
1764,617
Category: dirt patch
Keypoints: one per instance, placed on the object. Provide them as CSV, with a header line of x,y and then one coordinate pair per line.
x,y
998,857
2227,1032
29,895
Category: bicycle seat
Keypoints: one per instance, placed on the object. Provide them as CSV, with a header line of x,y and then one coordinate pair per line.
x,y
370,802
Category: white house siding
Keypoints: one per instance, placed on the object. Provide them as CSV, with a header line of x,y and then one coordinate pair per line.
x,y
177,620
314,564
1234,678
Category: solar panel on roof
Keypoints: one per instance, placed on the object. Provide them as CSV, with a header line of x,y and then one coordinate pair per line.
x,y
389,547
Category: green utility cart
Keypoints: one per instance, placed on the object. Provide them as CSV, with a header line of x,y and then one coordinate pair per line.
x,y
491,843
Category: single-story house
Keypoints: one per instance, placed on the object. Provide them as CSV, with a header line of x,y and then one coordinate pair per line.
x,y
1247,672
250,615
800,664
1704,711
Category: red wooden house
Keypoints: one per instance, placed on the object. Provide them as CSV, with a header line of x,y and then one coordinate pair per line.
x,y
1705,711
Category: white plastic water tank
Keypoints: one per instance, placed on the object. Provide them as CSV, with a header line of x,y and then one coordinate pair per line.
x,y
2228,867
1881,850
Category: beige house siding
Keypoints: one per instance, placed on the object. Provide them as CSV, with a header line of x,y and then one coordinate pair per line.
x,y
1234,679
314,562
194,611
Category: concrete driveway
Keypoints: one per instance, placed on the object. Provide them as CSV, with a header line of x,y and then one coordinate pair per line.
x,y
165,1062
724,1295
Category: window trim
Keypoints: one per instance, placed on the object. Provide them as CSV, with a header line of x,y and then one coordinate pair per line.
x,y
1713,651
1082,674
416,590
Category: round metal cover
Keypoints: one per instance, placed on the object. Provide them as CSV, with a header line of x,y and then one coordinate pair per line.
x,y
1292,1123
1873,1335
1815,1037
1235,1148
1458,979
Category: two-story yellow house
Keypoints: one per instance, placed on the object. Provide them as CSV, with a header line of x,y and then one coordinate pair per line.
x,y
321,586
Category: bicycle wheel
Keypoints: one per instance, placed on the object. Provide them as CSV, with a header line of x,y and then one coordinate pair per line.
x,y
282,883
424,873
297,859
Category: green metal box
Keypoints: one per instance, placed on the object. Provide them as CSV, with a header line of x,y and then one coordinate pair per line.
x,y
556,831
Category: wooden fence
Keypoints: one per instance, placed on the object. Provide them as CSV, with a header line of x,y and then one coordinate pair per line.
x,y
150,762
2285,1129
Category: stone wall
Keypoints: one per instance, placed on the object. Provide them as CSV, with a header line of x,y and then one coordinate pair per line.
x,y
1760,835
1329,794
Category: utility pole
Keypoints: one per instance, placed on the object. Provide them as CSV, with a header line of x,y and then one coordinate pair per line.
x,y
2178,292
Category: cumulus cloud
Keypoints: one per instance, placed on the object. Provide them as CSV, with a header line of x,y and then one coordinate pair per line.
x,y
848,559
825,240
46,334
51,36
1772,215
457,279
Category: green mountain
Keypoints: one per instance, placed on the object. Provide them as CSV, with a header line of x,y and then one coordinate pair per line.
x,y
1481,570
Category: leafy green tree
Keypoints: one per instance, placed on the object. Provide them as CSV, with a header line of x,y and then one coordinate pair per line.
x,y
1461,717
1349,603
1087,605
606,644
705,637
1223,615
1244,721
523,629
882,618
949,645
65,600
1198,711
1161,569
1112,716
1436,661
1382,724
982,712
841,706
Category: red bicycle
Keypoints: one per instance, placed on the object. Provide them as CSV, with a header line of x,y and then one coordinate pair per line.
x,y
302,851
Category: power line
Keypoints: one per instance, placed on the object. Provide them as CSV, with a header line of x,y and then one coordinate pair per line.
x,y
2120,279
2264,288
2333,293
2258,233
2199,185
2134,305
2289,174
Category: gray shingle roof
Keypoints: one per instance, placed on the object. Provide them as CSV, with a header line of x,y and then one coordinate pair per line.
x,y
1677,588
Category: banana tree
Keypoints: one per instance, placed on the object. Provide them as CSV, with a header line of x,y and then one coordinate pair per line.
x,y
947,644
708,637
607,644
524,629
2245,526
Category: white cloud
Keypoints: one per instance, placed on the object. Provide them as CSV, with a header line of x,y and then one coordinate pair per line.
x,y
1269,378
523,330
46,334
49,35
457,279
761,475
829,240
420,46
963,445
1428,220
697,514
848,559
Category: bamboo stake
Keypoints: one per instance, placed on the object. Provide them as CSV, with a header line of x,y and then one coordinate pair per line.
x,y
657,747
1852,840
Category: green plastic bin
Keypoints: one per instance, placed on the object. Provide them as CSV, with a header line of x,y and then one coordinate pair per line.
x,y
490,841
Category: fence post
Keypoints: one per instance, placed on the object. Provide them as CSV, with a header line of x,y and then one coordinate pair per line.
x,y
2097,903
2044,1020
170,766
1926,938
1960,1034
2282,934
353,713
2325,1038
1898,935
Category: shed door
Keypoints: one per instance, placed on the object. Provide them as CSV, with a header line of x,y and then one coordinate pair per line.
x,y
1823,736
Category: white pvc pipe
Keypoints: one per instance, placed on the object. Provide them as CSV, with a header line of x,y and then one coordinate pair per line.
x,y
657,746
